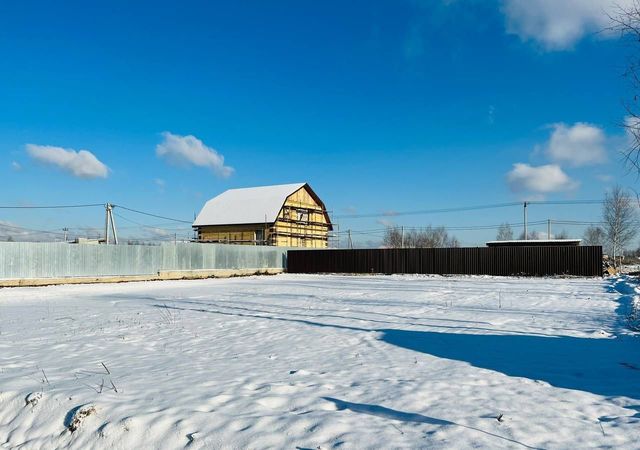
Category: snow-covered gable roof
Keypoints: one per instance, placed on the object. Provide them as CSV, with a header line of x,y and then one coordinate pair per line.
x,y
244,206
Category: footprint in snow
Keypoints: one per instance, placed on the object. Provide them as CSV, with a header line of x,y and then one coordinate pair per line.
x,y
76,416
32,399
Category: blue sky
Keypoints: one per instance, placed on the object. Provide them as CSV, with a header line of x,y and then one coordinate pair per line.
x,y
380,106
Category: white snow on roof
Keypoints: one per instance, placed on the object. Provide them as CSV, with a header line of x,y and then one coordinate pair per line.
x,y
248,205
521,241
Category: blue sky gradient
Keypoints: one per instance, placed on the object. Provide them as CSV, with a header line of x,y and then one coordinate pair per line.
x,y
380,106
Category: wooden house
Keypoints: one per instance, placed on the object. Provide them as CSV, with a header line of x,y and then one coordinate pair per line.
x,y
289,215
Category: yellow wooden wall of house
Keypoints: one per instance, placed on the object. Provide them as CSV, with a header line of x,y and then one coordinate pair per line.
x,y
301,223
233,234
291,232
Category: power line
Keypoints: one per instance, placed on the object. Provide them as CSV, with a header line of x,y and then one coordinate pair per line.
x,y
468,208
147,227
89,205
129,220
461,228
152,215
162,225
378,231
28,230
566,202
427,211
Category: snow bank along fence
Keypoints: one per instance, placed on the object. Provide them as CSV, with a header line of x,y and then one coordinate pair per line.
x,y
529,261
30,260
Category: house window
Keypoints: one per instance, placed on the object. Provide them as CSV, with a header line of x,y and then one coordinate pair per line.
x,y
259,237
303,215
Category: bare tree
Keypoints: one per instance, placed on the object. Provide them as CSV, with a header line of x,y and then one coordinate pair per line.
x,y
626,21
531,236
392,238
428,237
594,236
505,233
619,216
453,242
562,235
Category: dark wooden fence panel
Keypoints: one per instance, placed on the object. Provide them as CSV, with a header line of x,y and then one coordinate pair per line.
x,y
529,261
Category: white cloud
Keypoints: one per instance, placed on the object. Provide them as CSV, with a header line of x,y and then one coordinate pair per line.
x,y
539,179
14,232
632,129
578,145
491,116
605,178
15,165
189,150
632,122
82,164
158,232
160,183
559,24
385,222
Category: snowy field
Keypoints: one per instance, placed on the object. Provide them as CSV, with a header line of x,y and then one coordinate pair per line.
x,y
321,362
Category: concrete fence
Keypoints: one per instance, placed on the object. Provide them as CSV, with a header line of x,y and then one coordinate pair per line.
x,y
29,260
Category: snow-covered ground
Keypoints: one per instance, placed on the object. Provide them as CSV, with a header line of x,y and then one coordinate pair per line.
x,y
320,362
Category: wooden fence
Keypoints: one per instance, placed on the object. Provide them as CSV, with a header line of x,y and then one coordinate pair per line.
x,y
515,260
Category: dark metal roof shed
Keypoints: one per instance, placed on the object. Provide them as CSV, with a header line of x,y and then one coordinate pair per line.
x,y
535,243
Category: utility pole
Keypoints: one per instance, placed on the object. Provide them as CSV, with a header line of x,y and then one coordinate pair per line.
x,y
109,221
335,243
526,237
107,208
350,241
402,238
264,233
66,230
113,225
548,228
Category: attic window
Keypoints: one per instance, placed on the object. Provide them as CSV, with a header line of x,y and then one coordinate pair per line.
x,y
303,215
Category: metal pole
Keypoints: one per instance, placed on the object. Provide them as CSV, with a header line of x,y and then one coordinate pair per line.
x,y
548,228
402,239
113,225
195,232
106,224
526,237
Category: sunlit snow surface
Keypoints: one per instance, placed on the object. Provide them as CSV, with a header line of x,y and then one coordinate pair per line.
x,y
321,362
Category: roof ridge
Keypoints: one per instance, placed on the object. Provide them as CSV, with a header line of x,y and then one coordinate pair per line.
x,y
266,186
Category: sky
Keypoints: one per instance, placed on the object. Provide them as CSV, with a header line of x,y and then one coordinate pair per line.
x,y
382,107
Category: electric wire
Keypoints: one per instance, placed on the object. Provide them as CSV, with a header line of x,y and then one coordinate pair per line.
x,y
467,208
89,205
152,215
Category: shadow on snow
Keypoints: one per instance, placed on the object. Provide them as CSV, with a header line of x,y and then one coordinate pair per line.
x,y
601,366
609,367
392,414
